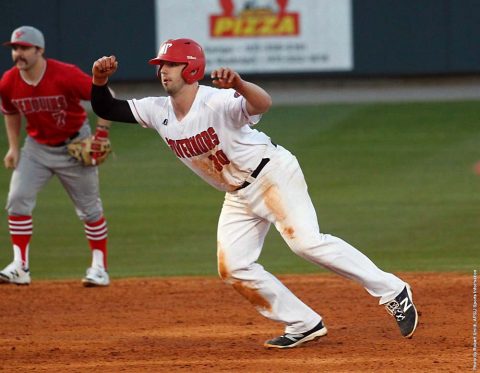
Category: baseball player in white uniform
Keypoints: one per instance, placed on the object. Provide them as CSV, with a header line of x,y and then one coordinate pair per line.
x,y
210,131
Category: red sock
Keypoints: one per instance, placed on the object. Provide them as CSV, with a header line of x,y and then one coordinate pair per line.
x,y
21,228
97,233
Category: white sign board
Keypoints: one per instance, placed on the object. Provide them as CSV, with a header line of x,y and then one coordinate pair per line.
x,y
263,36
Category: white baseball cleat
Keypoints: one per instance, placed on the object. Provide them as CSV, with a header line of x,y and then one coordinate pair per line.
x,y
14,273
96,277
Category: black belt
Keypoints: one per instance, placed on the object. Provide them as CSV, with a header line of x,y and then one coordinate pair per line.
x,y
255,172
67,141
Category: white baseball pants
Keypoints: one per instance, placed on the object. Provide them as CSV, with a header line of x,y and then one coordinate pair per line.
x,y
279,196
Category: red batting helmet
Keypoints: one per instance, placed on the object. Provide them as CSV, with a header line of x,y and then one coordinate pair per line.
x,y
182,51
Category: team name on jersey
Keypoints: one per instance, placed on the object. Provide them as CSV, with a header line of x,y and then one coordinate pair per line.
x,y
198,144
28,105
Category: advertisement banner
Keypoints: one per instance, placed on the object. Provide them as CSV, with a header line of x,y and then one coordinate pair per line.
x,y
263,36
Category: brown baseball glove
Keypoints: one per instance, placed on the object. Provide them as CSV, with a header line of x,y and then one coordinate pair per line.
x,y
91,151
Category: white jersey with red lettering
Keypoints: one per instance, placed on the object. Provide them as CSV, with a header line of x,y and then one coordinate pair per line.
x,y
214,139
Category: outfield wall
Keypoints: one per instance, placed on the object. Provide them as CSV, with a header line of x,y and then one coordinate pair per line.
x,y
389,38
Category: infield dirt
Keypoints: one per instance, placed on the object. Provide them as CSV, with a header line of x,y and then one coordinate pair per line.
x,y
197,324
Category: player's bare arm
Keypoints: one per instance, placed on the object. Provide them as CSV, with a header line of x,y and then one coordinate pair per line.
x,y
258,100
103,123
103,68
13,125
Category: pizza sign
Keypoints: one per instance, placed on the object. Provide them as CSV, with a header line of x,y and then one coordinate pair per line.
x,y
263,36
254,19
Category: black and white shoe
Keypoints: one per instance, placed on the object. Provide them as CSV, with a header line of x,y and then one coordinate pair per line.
x,y
293,340
404,311
14,273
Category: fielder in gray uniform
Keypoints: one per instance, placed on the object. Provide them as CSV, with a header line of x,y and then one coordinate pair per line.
x,y
47,93
210,130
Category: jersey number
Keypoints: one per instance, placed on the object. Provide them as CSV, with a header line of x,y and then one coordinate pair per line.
x,y
60,117
219,160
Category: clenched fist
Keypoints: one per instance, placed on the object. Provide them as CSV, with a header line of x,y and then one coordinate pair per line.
x,y
103,68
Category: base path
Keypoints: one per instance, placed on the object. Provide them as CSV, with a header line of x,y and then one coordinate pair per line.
x,y
197,324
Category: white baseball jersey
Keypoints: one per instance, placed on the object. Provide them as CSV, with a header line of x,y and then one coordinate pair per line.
x,y
214,139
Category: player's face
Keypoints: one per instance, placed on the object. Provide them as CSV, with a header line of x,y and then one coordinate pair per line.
x,y
171,76
26,57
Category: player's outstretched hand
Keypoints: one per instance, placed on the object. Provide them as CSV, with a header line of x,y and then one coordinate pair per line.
x,y
103,68
225,77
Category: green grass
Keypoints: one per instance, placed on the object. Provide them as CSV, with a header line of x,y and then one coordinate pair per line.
x,y
394,180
